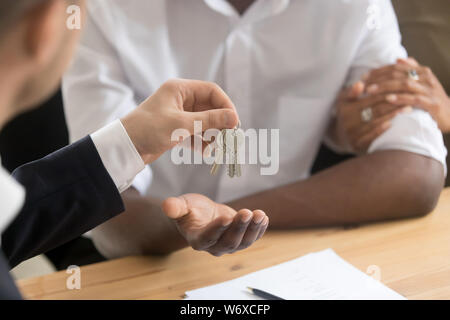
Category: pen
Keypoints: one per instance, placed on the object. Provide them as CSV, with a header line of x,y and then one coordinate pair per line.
x,y
263,294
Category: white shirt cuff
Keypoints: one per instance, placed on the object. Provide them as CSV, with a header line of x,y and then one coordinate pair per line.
x,y
143,181
118,154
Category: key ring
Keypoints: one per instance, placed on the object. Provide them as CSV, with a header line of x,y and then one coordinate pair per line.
x,y
237,127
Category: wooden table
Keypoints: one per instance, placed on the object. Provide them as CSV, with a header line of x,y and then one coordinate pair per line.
x,y
413,256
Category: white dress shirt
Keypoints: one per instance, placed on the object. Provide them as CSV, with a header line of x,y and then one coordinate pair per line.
x,y
12,196
118,155
282,63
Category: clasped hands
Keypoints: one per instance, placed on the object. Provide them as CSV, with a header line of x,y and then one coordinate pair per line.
x,y
387,92
204,224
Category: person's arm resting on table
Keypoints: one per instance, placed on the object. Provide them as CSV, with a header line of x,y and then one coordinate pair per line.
x,y
400,176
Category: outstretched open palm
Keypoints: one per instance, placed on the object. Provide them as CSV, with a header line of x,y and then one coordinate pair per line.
x,y
213,227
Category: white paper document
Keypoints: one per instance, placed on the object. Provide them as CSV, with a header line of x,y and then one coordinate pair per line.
x,y
316,276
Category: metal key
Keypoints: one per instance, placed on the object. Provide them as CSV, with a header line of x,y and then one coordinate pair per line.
x,y
237,165
239,138
227,146
229,152
219,151
233,142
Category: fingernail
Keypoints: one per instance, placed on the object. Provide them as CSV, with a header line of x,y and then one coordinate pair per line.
x,y
407,109
227,223
227,118
391,97
247,218
258,219
230,119
266,221
372,88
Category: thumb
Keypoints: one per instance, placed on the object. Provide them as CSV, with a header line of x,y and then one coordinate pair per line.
x,y
216,119
175,207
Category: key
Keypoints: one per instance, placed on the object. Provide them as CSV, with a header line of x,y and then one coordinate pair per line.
x,y
239,139
237,166
227,145
233,142
219,151
229,152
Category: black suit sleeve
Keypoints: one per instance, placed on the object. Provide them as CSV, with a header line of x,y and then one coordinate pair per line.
x,y
67,193
8,289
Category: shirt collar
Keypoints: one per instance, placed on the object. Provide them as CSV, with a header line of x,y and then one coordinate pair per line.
x,y
259,10
12,196
222,6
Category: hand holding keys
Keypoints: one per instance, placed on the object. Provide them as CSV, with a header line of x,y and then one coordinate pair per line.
x,y
228,144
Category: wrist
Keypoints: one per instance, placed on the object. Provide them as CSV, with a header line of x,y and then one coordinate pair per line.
x,y
133,132
338,138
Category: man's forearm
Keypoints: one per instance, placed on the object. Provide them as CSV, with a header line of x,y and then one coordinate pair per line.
x,y
380,186
142,229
